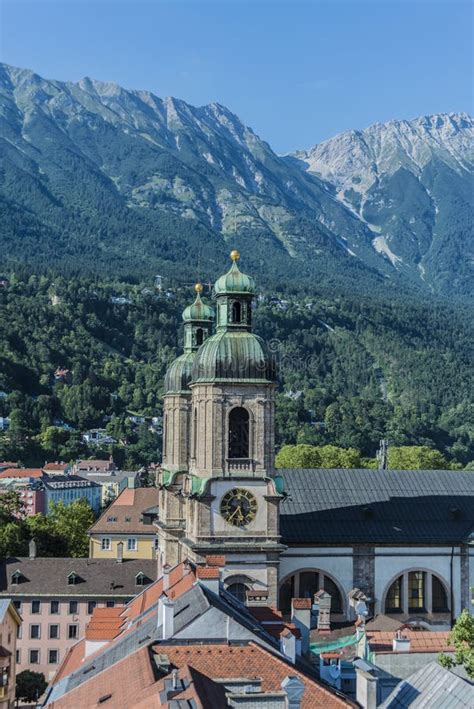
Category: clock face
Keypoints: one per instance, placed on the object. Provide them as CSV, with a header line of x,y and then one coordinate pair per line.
x,y
238,507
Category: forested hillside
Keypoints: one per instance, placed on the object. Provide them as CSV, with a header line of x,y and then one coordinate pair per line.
x,y
352,369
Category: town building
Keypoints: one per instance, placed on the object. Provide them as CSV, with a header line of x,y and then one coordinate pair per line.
x,y
185,641
112,483
93,466
56,468
56,597
31,494
432,686
10,624
68,489
129,521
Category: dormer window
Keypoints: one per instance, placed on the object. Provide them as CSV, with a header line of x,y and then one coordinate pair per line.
x,y
140,579
72,578
16,576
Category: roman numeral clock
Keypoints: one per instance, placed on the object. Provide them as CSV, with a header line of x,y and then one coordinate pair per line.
x,y
239,507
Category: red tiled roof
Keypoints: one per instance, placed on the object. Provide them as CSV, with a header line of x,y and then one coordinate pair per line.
x,y
22,473
130,682
215,560
421,640
127,510
206,573
301,603
55,466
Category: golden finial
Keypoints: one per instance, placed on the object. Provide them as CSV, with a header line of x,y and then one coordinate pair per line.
x,y
198,287
234,254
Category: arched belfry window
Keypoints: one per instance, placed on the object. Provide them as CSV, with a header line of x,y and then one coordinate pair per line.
x,y
239,421
236,312
239,590
199,336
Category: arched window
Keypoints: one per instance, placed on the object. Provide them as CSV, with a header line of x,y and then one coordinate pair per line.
x,y
236,312
424,592
439,596
239,590
393,602
239,433
199,336
304,584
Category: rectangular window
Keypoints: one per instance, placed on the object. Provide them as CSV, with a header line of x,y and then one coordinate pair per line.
x,y
53,632
17,605
35,632
18,631
34,657
110,604
18,657
131,544
416,590
53,657
106,544
72,632
35,607
54,607
73,605
90,606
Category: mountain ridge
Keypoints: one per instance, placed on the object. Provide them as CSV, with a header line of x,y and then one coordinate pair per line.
x,y
93,158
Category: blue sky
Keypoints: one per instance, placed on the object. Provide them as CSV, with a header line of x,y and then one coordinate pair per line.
x,y
297,72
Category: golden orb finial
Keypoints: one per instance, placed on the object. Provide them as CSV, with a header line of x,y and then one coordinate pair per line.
x,y
234,254
198,287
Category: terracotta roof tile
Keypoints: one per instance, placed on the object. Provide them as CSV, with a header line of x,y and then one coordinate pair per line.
x,y
127,511
301,603
421,640
215,560
22,473
206,573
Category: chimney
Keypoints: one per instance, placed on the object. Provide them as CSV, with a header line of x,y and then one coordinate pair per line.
x,y
401,643
168,618
166,577
32,549
301,617
293,687
174,678
322,601
209,577
288,645
366,684
254,599
119,552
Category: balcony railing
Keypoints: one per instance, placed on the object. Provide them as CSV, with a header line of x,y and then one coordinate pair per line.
x,y
240,465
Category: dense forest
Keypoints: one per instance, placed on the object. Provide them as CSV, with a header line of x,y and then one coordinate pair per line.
x,y
353,368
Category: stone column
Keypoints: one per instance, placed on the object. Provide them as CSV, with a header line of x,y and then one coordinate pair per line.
x,y
405,604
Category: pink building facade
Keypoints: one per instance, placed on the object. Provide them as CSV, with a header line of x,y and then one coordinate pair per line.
x,y
56,597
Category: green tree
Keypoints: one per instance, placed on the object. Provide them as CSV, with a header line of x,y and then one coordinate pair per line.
x,y
328,456
71,522
416,458
30,686
462,638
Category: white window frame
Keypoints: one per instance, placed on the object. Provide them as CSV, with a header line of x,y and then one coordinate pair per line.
x,y
132,544
106,544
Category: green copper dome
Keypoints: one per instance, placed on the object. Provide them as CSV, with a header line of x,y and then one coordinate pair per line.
x,y
179,374
235,355
198,310
234,281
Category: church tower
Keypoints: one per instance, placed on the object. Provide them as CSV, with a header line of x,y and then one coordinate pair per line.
x,y
230,493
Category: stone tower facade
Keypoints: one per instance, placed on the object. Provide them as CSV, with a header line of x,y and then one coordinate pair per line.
x,y
219,492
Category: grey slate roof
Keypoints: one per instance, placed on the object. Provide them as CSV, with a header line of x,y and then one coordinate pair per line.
x,y
431,687
48,576
344,506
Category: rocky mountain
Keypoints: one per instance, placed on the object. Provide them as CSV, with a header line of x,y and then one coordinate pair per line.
x,y
94,177
411,182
